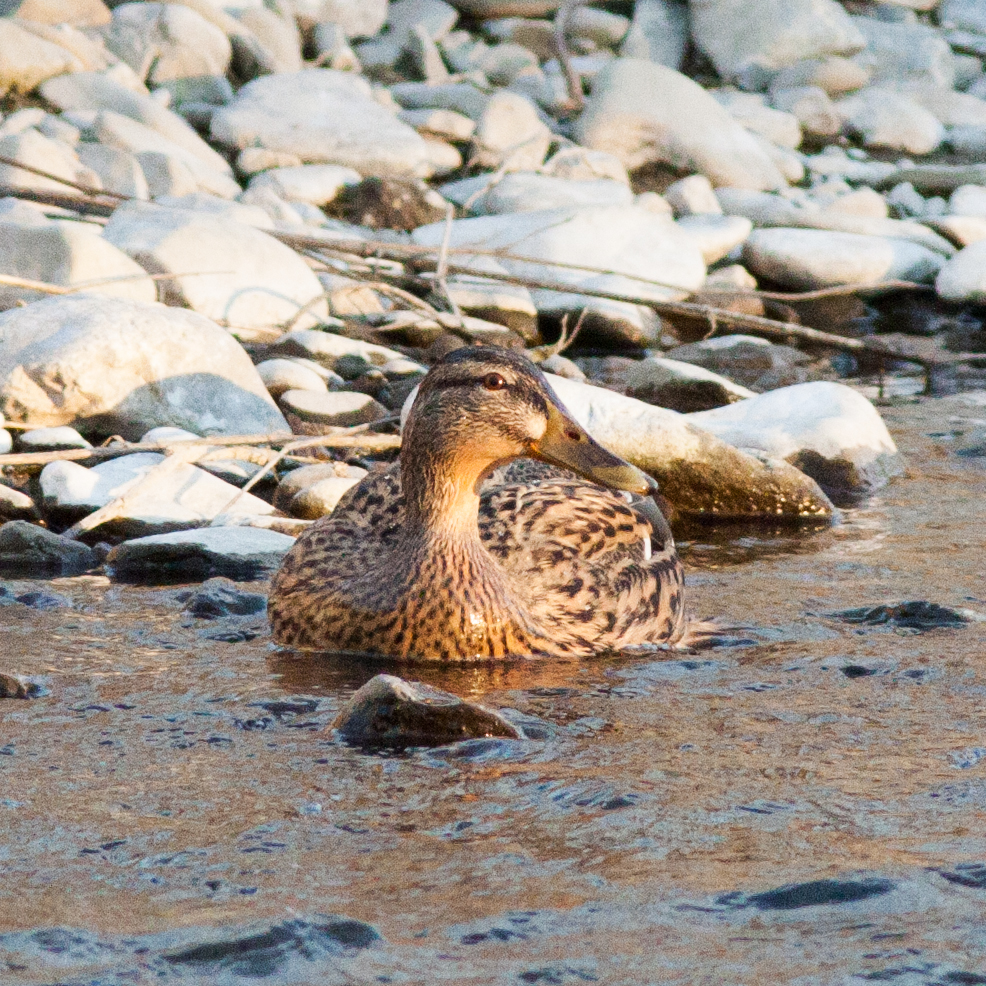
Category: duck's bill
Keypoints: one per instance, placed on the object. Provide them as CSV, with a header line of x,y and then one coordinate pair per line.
x,y
566,443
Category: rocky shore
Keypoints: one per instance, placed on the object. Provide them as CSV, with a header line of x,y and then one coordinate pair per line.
x,y
233,236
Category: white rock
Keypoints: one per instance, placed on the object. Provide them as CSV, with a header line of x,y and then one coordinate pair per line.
x,y
646,113
827,430
298,480
239,553
772,34
167,435
814,111
6,444
281,375
176,499
508,304
327,349
963,278
23,119
526,191
252,160
779,127
962,230
278,33
317,184
434,17
42,439
834,75
358,18
27,60
94,91
442,123
692,196
51,156
510,134
734,277
324,117
905,53
165,42
887,119
71,254
232,273
321,498
15,505
119,171
627,240
715,236
121,367
808,259
340,409
582,164
658,33
860,202
968,200
237,212
25,213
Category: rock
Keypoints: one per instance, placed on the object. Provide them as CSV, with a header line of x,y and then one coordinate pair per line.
x,y
968,200
321,498
239,553
252,160
903,52
659,32
96,92
6,442
510,134
646,113
861,202
750,361
15,505
391,712
524,191
280,375
459,97
51,439
827,430
814,111
692,196
327,349
749,42
773,124
219,597
27,60
20,686
715,236
317,184
177,498
680,386
961,230
937,178
278,34
324,117
507,304
392,203
299,480
441,123
122,367
628,240
70,254
699,473
886,119
808,259
28,549
79,13
167,44
118,170
963,278
50,156
237,212
834,75
235,274
917,614
765,210
342,409
581,164
430,19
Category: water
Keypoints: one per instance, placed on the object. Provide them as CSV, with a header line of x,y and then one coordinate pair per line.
x,y
804,806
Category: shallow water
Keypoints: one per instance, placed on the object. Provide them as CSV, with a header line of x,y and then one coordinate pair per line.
x,y
807,805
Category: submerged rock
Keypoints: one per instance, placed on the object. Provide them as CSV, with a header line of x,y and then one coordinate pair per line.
x,y
219,597
391,712
20,686
914,615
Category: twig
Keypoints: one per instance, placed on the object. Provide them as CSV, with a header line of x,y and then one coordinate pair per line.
x,y
43,287
441,265
88,189
839,290
573,81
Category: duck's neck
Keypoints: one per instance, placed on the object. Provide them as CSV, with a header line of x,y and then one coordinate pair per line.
x,y
441,497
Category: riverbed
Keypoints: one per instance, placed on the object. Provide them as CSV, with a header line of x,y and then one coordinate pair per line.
x,y
804,804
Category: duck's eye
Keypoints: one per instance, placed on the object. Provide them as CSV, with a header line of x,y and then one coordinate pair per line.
x,y
493,381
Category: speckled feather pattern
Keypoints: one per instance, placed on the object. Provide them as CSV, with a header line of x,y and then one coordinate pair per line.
x,y
562,568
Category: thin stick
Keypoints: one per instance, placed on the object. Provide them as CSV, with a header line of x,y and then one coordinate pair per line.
x,y
88,189
441,266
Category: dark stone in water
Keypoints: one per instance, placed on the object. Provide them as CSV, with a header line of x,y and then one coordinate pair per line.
x,y
390,712
219,597
967,875
20,686
818,892
43,600
27,548
915,615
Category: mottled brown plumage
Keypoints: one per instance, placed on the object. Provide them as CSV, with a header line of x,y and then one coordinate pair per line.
x,y
460,553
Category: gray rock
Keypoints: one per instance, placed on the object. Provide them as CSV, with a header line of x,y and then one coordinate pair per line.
x,y
49,439
235,274
752,41
15,505
749,360
27,60
885,119
510,134
968,200
524,191
508,304
220,597
813,109
680,386
343,408
834,75
646,113
321,498
324,117
807,259
659,32
239,553
447,124
460,97
174,499
122,367
828,430
715,236
772,123
50,156
28,549
327,348
692,196
391,712
963,278
118,170
277,32
71,254
963,15
903,52
613,324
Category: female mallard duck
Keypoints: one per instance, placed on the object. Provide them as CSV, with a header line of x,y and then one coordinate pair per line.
x,y
453,558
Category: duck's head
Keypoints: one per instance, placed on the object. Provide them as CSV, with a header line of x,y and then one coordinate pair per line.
x,y
480,407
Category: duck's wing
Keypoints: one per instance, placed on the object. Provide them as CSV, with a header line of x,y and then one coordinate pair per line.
x,y
585,561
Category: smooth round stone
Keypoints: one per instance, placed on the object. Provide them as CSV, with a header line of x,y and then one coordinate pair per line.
x,y
51,439
321,498
963,278
15,505
165,435
282,375
343,408
301,479
6,442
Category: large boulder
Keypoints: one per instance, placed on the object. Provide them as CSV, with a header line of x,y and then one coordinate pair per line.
x,y
114,366
235,274
646,113
324,117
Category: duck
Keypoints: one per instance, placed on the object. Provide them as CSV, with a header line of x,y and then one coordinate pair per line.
x,y
504,530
